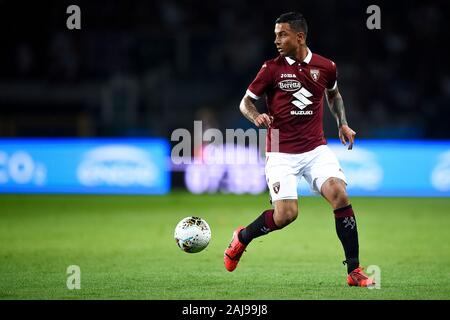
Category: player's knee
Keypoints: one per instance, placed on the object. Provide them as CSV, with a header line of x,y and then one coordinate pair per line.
x,y
286,216
290,215
337,193
340,199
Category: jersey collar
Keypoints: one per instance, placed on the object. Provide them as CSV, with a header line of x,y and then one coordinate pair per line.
x,y
306,60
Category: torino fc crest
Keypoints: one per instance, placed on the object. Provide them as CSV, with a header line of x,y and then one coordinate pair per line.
x,y
276,187
315,74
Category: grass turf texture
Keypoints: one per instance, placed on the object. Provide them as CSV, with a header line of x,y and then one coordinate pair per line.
x,y
125,249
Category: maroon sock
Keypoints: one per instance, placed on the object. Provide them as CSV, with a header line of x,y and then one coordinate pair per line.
x,y
348,234
261,226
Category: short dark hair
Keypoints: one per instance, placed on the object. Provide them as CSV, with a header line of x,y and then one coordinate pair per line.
x,y
295,20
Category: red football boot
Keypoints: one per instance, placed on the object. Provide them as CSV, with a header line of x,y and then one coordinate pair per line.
x,y
234,251
359,279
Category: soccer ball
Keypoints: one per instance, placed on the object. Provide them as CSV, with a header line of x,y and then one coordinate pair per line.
x,y
192,234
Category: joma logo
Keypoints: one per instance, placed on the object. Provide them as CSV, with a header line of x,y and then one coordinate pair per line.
x,y
288,75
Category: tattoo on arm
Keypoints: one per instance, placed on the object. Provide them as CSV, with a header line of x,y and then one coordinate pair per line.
x,y
248,109
336,104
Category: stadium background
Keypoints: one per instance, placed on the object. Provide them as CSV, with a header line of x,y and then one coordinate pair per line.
x,y
139,70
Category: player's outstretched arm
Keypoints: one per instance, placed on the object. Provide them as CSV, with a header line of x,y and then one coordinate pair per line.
x,y
248,109
336,105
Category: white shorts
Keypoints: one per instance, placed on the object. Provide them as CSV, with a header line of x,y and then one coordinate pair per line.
x,y
284,171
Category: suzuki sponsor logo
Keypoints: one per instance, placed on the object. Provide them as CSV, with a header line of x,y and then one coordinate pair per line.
x,y
289,85
117,165
301,101
301,112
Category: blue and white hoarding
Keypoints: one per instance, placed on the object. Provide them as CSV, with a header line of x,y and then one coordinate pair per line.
x,y
142,166
372,168
93,166
395,168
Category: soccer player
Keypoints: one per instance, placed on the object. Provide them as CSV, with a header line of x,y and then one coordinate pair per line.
x,y
294,84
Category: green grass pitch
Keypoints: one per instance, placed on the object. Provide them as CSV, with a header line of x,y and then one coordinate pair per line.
x,y
125,249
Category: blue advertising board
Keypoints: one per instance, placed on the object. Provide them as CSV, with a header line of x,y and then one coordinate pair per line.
x,y
372,168
394,168
142,166
93,166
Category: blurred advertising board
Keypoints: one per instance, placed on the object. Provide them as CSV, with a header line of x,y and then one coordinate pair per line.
x,y
91,166
373,168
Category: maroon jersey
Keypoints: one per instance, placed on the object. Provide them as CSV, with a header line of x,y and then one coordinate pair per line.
x,y
294,95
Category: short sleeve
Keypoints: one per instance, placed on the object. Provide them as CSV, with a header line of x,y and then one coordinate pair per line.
x,y
332,81
261,83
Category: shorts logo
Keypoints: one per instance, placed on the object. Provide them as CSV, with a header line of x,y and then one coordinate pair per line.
x,y
276,187
315,74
